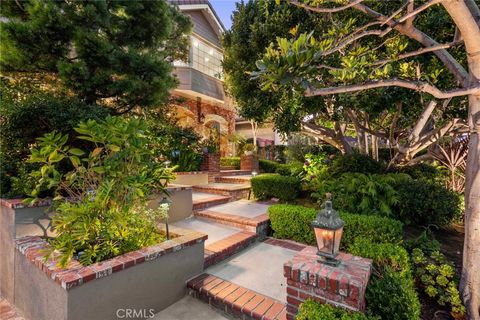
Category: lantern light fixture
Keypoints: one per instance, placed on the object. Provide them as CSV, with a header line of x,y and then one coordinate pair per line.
x,y
328,229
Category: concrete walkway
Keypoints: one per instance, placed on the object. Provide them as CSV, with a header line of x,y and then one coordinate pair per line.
x,y
259,268
243,208
200,196
189,309
215,231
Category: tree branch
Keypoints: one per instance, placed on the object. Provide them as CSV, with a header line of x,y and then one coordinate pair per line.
x,y
414,136
415,12
413,85
418,52
323,10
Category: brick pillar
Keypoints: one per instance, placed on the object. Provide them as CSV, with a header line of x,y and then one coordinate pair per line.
x,y
342,286
211,164
249,162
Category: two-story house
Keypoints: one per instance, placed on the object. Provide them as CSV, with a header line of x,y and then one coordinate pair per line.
x,y
200,100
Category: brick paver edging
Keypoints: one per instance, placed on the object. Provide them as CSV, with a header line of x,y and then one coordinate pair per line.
x,y
75,274
287,244
18,203
257,224
202,204
8,311
236,300
222,249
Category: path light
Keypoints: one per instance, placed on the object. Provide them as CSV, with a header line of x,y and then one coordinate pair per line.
x,y
254,174
165,206
328,228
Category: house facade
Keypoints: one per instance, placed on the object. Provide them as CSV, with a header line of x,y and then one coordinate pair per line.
x,y
200,100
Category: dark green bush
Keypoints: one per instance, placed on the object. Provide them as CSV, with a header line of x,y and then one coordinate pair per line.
x,y
423,203
356,162
267,186
290,169
311,310
230,162
391,292
268,166
421,171
293,222
24,121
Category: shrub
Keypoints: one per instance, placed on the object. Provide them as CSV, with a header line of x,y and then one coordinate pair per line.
x,y
436,276
293,222
25,120
391,292
423,203
108,188
311,310
290,169
421,171
267,186
360,193
356,162
268,166
230,162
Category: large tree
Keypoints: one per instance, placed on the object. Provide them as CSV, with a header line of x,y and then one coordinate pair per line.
x,y
347,51
115,53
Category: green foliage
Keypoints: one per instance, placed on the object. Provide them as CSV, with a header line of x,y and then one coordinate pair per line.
x,y
423,203
311,310
267,186
393,296
103,51
294,169
26,118
101,203
422,171
424,242
293,222
356,162
181,146
360,193
391,292
268,166
230,162
436,277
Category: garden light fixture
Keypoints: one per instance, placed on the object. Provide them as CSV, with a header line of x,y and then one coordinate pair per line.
x,y
166,203
328,229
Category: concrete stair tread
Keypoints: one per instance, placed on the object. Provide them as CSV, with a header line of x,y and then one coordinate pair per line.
x,y
215,231
189,308
236,300
221,186
234,172
238,179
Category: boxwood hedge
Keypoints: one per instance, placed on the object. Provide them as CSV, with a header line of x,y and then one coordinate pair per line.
x,y
267,186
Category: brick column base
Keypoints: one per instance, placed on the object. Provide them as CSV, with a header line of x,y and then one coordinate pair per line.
x,y
249,162
343,286
211,164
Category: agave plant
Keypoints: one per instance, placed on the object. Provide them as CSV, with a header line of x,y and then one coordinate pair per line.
x,y
453,156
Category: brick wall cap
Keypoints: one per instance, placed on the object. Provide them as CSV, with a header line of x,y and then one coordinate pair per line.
x,y
75,274
18,203
184,173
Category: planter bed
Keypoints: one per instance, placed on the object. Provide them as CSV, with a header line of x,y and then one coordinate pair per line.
x,y
147,280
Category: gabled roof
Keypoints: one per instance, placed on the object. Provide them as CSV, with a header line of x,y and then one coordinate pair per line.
x,y
186,5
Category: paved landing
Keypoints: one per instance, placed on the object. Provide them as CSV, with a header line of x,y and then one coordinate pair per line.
x,y
201,196
242,208
189,309
258,268
215,231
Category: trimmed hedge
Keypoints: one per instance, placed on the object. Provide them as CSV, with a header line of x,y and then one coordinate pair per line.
x,y
312,310
290,169
268,166
293,222
230,162
267,186
391,292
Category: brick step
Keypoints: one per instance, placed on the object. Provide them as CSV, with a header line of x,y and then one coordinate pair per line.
x,y
227,247
202,204
228,168
8,311
234,172
258,225
234,179
235,191
235,300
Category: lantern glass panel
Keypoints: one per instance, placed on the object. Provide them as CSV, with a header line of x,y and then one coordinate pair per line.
x,y
338,238
325,240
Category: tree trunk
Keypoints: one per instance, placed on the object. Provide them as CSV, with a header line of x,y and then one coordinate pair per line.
x,y
470,282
